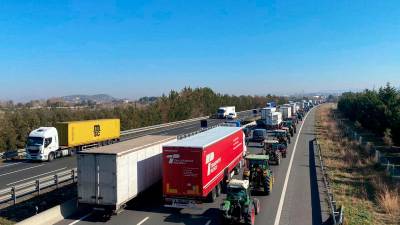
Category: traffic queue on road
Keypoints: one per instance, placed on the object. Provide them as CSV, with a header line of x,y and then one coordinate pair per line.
x,y
195,169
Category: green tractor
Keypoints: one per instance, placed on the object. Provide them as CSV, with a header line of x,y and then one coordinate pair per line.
x,y
239,206
292,126
259,173
271,148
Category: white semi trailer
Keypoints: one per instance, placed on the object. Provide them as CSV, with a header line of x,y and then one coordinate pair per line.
x,y
110,176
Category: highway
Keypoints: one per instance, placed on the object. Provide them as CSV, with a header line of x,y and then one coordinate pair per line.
x,y
296,199
16,172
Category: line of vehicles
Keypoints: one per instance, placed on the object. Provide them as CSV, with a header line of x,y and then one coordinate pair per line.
x,y
193,170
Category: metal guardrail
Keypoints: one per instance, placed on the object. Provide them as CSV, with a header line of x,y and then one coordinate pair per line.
x,y
36,186
132,131
336,213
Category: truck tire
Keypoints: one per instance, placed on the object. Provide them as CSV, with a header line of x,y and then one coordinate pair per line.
x,y
212,196
218,189
250,216
50,157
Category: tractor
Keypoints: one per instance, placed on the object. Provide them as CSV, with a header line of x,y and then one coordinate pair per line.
x,y
291,125
258,173
281,135
239,206
274,150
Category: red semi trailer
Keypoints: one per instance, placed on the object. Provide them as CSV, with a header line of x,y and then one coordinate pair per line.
x,y
198,167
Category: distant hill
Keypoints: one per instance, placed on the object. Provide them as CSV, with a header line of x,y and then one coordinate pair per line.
x,y
99,98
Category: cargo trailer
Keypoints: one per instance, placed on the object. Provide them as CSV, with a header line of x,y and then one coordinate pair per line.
x,y
197,168
47,143
286,112
110,176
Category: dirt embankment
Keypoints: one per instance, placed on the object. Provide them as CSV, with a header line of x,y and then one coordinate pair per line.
x,y
370,197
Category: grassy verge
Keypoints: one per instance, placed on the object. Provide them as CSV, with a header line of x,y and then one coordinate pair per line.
x,y
369,196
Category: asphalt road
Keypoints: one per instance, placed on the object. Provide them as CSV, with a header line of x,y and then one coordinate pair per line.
x,y
17,172
296,199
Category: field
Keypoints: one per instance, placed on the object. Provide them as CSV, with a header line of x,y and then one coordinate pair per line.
x,y
369,196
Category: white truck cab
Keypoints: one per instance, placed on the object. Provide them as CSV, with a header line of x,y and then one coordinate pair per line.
x,y
226,112
42,144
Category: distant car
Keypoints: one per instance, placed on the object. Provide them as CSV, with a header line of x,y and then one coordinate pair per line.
x,y
231,116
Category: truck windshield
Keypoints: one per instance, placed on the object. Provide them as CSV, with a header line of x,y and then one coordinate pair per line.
x,y
221,110
32,141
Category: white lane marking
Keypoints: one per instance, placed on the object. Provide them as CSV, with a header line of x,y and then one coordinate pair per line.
x,y
11,164
208,222
142,221
281,201
82,218
36,176
16,171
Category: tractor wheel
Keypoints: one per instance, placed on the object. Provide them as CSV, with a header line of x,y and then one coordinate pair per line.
x,y
277,158
267,186
250,216
256,204
212,196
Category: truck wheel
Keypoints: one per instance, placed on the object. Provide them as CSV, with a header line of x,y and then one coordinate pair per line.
x,y
51,156
218,187
212,196
250,216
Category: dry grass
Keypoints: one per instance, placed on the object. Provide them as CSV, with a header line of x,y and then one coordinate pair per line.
x,y
389,201
368,195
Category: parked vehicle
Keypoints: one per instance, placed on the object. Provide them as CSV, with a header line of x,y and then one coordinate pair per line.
x,y
48,143
224,112
258,173
239,206
110,176
198,167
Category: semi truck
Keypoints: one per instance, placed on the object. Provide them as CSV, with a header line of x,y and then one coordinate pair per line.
x,y
270,118
286,111
226,112
197,168
271,104
110,176
48,143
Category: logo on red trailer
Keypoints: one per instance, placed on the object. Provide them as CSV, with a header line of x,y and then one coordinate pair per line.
x,y
211,166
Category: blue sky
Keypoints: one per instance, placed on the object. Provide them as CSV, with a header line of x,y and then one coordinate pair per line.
x,y
136,48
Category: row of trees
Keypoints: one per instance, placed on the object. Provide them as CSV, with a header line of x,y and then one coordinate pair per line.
x,y
378,111
15,124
